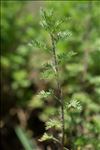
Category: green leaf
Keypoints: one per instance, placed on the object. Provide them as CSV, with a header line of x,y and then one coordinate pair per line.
x,y
5,62
63,35
27,143
36,43
74,104
95,80
49,67
36,102
48,74
47,19
53,123
45,94
46,14
66,56
46,137
20,78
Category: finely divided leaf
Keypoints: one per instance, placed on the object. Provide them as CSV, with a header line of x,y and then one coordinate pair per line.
x,y
53,123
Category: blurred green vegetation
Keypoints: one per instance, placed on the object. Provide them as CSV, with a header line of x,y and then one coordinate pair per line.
x,y
21,66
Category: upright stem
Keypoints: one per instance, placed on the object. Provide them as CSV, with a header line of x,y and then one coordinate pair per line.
x,y
58,87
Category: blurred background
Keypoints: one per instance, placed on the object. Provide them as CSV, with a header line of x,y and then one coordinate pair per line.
x,y
23,114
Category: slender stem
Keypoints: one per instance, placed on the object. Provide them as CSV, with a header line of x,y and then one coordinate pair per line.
x,y
59,88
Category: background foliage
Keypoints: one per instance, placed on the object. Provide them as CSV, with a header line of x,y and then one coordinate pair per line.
x,y
23,112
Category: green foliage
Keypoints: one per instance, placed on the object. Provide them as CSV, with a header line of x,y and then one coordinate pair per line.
x,y
65,57
49,24
47,137
38,44
48,74
45,94
53,123
17,30
63,35
52,25
22,67
21,79
26,141
74,104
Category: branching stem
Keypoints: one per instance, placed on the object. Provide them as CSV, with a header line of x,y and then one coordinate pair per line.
x,y
56,65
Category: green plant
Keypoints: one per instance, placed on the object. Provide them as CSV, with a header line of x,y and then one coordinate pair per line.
x,y
52,70
79,77
25,139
